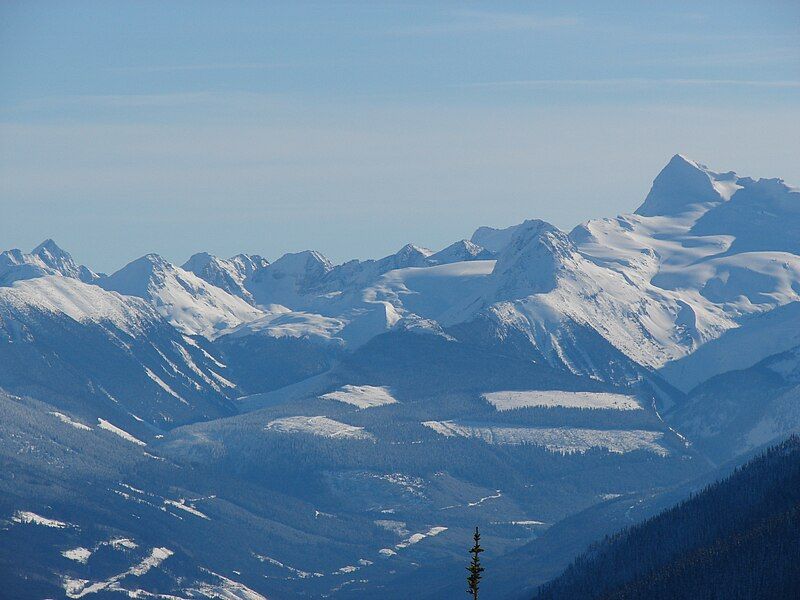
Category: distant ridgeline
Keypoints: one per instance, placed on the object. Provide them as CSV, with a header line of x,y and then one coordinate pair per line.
x,y
738,538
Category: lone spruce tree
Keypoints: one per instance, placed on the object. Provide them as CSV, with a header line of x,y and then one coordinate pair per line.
x,y
475,569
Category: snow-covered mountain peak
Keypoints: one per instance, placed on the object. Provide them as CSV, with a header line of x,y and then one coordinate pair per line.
x,y
288,279
48,249
534,257
493,239
199,261
408,256
411,251
247,264
683,183
307,262
46,259
137,277
230,274
460,251
191,304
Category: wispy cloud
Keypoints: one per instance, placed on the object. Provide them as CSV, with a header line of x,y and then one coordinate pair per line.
x,y
254,66
167,100
633,81
474,21
745,58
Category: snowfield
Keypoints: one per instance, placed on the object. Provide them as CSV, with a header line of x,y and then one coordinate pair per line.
x,y
556,439
103,424
281,322
321,426
78,588
418,537
79,554
28,517
65,419
362,396
512,400
81,302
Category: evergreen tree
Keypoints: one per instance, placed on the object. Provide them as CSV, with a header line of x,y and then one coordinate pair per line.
x,y
475,569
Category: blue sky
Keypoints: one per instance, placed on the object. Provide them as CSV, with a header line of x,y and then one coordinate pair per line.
x,y
355,127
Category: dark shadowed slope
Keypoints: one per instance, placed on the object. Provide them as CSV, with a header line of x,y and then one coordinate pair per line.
x,y
738,538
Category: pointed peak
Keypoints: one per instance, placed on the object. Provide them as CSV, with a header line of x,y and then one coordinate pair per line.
x,y
50,248
305,260
533,259
462,250
680,184
413,249
198,261
148,262
682,161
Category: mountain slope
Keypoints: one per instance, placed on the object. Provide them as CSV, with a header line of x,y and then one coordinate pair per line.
x,y
739,538
192,305
46,259
228,275
97,354
736,411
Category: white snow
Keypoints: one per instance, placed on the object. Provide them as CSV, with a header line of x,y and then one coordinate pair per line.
x,y
418,537
320,426
511,400
396,527
28,517
281,322
556,439
362,396
103,424
181,504
160,383
184,299
65,419
479,501
78,554
78,588
79,301
276,563
227,589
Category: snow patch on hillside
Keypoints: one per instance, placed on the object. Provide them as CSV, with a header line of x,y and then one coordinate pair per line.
x,y
320,426
227,589
103,424
31,518
78,588
418,537
362,396
182,504
281,322
79,554
565,440
510,400
65,419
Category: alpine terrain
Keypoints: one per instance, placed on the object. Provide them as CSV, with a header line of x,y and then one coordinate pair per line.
x,y
244,428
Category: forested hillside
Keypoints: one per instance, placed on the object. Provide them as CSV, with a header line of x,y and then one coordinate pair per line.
x,y
738,538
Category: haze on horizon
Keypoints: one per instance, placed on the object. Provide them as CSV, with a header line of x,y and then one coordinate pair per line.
x,y
173,128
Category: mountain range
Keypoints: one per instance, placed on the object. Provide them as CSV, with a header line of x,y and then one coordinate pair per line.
x,y
338,429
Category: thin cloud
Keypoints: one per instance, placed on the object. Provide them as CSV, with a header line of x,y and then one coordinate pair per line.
x,y
256,66
633,81
167,100
473,21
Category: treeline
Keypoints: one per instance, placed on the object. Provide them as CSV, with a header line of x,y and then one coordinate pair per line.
x,y
738,538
